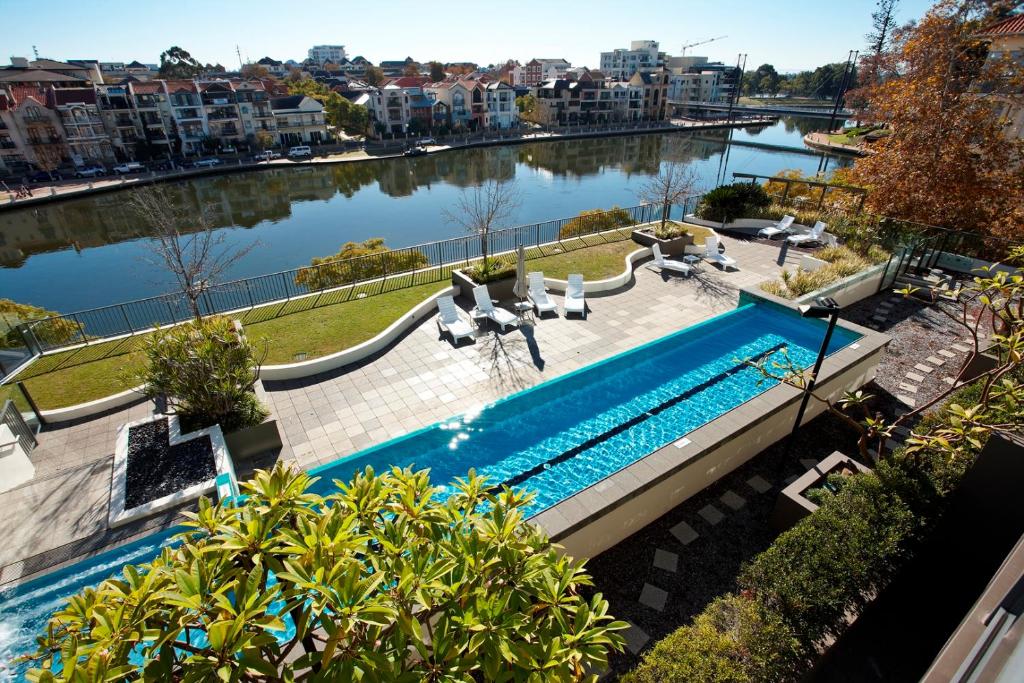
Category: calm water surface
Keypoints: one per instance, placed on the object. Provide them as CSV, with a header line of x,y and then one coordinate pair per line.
x,y
85,253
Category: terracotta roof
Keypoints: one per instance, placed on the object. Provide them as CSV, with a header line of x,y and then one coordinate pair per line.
x,y
20,93
181,86
147,87
408,81
1010,26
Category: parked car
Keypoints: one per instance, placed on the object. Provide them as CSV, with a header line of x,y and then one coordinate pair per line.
x,y
43,177
228,149
416,151
428,141
300,151
93,171
267,155
206,163
130,167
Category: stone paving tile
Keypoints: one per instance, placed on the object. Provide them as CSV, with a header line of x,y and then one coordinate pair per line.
x,y
759,484
914,377
808,463
946,353
635,637
665,560
653,597
790,479
909,388
711,514
684,533
934,360
961,348
906,400
733,500
924,368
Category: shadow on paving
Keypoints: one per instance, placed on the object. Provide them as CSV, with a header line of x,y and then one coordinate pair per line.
x,y
707,566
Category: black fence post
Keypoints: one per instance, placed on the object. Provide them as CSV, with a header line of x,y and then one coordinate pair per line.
x,y
81,330
131,330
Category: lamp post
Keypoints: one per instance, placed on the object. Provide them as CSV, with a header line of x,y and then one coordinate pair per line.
x,y
826,307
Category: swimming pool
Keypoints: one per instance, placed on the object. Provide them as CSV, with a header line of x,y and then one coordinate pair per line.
x,y
557,438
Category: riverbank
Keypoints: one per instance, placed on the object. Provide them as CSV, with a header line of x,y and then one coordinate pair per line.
x,y
822,141
376,151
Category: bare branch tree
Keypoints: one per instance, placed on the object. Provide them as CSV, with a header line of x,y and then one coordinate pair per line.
x,y
185,242
484,207
676,180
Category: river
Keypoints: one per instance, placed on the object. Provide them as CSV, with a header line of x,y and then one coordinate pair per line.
x,y
87,252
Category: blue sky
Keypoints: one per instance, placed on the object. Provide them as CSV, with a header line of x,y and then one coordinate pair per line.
x,y
791,34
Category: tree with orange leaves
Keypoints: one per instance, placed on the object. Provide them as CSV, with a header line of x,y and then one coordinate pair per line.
x,y
948,160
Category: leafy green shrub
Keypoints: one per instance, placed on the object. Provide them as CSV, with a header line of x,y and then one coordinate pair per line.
x,y
841,262
596,220
670,230
380,579
357,261
729,202
56,330
733,640
493,271
207,372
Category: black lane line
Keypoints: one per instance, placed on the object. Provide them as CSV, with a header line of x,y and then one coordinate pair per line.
x,y
632,422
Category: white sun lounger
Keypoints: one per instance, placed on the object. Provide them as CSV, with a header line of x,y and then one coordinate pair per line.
x,y
486,307
813,236
574,300
668,264
780,228
538,295
712,254
450,321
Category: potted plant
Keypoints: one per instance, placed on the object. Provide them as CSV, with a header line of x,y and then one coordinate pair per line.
x,y
801,498
671,237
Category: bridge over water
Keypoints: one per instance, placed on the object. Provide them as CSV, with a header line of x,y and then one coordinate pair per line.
x,y
818,112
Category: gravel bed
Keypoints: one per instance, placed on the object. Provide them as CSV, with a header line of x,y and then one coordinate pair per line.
x,y
156,469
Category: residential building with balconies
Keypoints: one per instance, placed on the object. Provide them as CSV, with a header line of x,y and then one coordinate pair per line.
x,y
321,54
189,116
300,120
538,70
622,63
255,111
87,138
654,86
221,108
117,110
501,110
1005,44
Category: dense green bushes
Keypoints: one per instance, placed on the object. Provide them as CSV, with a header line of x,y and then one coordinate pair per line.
x,y
840,262
729,202
596,220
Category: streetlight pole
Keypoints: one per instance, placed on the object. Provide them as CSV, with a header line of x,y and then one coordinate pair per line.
x,y
851,64
826,308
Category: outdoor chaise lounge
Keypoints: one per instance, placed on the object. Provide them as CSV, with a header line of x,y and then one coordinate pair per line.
x,y
668,264
813,236
485,307
538,295
780,228
574,301
712,254
450,321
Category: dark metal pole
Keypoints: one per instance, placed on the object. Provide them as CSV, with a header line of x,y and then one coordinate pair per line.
x,y
817,367
847,72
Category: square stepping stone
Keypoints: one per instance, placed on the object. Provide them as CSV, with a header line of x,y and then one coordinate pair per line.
x,y
759,484
937,362
684,533
790,479
636,638
808,463
653,597
665,560
711,514
961,348
906,400
733,500
914,377
946,353
909,388
924,368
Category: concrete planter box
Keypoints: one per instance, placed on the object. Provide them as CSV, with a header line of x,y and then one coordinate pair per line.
x,y
669,247
979,364
792,505
499,289
245,443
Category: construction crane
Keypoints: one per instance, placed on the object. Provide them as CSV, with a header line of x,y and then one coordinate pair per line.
x,y
684,48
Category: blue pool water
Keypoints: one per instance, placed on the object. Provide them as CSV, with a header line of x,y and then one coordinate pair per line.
x,y
556,439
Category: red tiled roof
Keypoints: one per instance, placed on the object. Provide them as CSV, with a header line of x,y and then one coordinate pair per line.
x,y
23,92
408,81
147,87
1009,26
181,85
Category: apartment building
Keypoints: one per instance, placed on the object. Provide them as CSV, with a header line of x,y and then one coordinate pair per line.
x,y
320,54
642,55
537,71
120,118
501,111
189,115
299,120
587,100
654,86
1006,40
87,139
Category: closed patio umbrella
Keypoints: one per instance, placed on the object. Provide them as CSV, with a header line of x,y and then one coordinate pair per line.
x,y
521,288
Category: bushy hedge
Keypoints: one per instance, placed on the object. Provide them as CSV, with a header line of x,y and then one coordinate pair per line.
x,y
729,202
841,262
596,220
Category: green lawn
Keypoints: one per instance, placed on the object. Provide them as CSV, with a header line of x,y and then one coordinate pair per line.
x,y
304,328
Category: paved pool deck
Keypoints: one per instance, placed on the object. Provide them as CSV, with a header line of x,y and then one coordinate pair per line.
x,y
420,379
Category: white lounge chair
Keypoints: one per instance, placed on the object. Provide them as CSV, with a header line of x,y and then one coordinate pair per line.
x,y
450,321
712,254
668,264
486,307
813,236
538,295
780,228
574,300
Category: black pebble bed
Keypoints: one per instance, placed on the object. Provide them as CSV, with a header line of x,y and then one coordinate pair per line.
x,y
156,469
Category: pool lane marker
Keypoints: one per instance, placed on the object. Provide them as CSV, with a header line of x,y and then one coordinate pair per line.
x,y
634,421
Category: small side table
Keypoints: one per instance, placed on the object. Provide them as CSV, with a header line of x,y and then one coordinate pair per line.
x,y
476,315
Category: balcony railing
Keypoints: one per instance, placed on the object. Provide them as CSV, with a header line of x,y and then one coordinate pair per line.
x,y
45,140
221,115
7,144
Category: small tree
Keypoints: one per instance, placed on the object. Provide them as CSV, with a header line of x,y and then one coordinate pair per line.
x,y
481,208
185,242
176,62
206,371
379,579
676,181
357,261
374,75
411,69
436,71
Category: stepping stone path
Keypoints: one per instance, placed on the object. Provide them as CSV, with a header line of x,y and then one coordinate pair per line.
x,y
733,500
653,597
635,637
926,369
946,353
961,348
666,561
909,388
711,514
934,360
789,480
759,484
914,377
684,533
808,463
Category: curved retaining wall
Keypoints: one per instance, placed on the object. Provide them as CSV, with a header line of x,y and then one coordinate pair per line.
x,y
592,286
100,405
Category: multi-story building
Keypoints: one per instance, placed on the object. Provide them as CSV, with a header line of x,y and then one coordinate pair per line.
x,y
401,106
189,116
274,67
538,70
156,116
501,110
87,139
120,118
654,86
254,107
461,103
1006,40
300,120
622,63
221,109
326,53
586,100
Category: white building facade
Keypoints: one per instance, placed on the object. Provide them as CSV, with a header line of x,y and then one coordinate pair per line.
x,y
622,63
327,53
